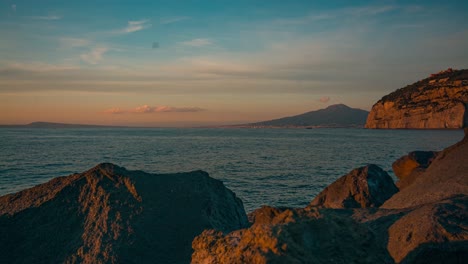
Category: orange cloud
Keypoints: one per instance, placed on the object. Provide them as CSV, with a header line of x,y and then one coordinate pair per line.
x,y
325,99
114,111
146,109
164,109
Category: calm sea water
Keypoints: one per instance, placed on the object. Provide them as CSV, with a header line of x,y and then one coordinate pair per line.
x,y
279,167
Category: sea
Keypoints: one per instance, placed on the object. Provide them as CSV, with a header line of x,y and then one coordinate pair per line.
x,y
278,167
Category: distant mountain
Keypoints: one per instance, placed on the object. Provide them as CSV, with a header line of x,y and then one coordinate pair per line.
x,y
338,115
53,125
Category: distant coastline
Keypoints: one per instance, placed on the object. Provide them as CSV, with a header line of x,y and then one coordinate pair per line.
x,y
59,125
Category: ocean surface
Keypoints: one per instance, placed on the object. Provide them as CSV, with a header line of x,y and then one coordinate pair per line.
x,y
279,167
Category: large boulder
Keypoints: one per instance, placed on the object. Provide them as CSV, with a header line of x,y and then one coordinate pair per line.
x,y
308,235
446,177
409,167
111,215
432,233
368,186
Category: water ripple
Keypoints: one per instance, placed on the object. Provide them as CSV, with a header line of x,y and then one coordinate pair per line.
x,y
279,167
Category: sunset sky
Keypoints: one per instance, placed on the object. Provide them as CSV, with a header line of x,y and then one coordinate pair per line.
x,y
185,63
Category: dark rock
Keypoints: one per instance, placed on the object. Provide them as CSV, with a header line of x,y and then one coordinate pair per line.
x,y
409,167
367,186
111,215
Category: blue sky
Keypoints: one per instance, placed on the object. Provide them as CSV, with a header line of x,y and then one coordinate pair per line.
x,y
217,61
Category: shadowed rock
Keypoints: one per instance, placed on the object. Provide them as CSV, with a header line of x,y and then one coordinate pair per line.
x,y
409,167
367,186
111,215
442,225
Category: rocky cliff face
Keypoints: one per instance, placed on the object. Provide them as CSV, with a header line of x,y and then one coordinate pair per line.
x,y
439,101
426,222
111,215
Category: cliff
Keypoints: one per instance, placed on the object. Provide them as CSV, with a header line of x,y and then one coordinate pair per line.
x,y
111,215
426,222
439,101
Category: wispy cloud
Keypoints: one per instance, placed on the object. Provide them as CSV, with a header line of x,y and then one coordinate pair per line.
x,y
114,111
145,109
134,26
370,10
50,17
304,20
199,42
13,7
73,42
170,20
94,56
324,99
32,67
363,11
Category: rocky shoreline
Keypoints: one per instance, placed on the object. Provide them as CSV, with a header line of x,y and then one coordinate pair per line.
x,y
361,218
111,215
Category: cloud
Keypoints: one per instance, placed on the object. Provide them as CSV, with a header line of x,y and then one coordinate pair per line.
x,y
94,56
170,20
304,20
199,42
36,67
114,111
145,109
325,99
370,10
134,26
363,11
50,17
73,42
13,7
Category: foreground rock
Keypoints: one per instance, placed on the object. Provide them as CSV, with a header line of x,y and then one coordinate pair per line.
x,y
439,101
427,222
111,215
409,167
446,177
367,186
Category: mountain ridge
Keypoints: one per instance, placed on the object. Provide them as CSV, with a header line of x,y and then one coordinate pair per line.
x,y
337,115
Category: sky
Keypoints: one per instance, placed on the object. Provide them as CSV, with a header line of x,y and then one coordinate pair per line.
x,y
190,63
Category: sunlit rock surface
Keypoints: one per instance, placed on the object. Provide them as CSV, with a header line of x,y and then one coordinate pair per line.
x,y
409,167
439,101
